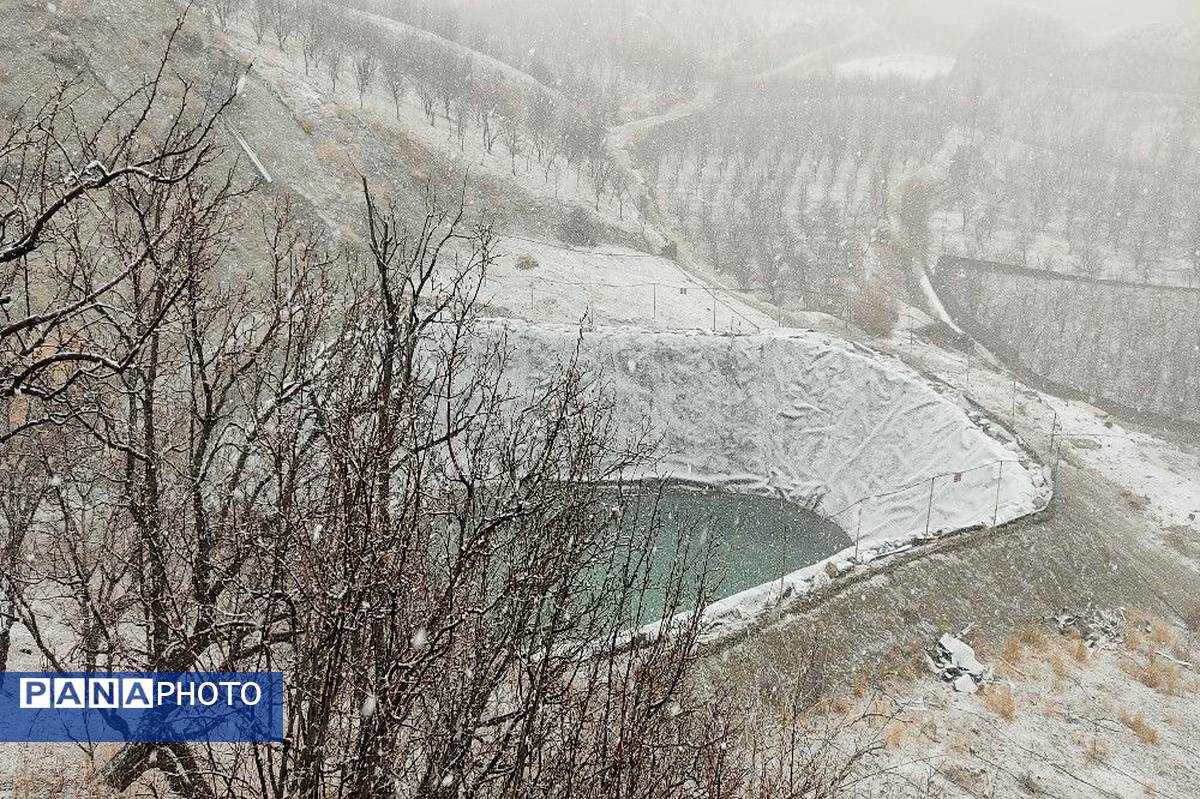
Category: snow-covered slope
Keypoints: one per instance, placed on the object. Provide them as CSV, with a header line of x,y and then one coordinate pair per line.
x,y
854,435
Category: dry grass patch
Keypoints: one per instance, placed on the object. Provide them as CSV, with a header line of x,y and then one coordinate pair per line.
x,y
1160,675
1000,700
1032,639
894,734
1058,667
905,663
1029,784
1051,710
972,780
1143,729
1148,641
1134,500
1161,633
1097,751
40,777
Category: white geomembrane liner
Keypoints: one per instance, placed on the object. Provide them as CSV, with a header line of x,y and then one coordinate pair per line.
x,y
818,420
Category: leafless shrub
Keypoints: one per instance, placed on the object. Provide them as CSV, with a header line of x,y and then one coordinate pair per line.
x,y
873,308
329,477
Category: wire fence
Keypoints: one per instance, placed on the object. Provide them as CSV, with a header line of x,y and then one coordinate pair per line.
x,y
988,494
740,310
659,304
951,500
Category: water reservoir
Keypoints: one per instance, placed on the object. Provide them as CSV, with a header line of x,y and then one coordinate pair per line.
x,y
755,539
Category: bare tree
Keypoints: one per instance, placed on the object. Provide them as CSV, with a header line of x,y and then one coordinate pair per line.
x,y
284,433
1193,245
64,184
260,21
226,11
314,29
335,54
365,67
510,133
393,77
84,297
283,20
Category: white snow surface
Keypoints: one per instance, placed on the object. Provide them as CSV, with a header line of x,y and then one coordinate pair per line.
x,y
854,435
610,286
917,67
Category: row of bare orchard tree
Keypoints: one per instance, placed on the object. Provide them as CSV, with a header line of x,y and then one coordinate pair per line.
x,y
1145,361
600,55
542,129
313,466
791,183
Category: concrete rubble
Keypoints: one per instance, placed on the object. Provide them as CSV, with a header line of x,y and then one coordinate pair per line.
x,y
955,662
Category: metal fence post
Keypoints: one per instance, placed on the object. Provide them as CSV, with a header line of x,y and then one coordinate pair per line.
x,y
929,510
858,531
782,545
999,482
654,301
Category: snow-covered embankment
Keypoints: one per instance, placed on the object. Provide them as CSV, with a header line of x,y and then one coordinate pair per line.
x,y
854,435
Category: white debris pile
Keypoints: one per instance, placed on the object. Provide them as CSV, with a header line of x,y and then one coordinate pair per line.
x,y
955,662
1096,626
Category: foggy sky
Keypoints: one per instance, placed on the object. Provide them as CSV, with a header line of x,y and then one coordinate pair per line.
x,y
947,24
1102,16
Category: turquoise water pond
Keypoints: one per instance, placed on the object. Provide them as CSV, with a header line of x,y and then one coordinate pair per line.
x,y
755,539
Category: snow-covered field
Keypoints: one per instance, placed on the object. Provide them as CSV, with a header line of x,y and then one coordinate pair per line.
x,y
920,67
611,286
853,435
1162,477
